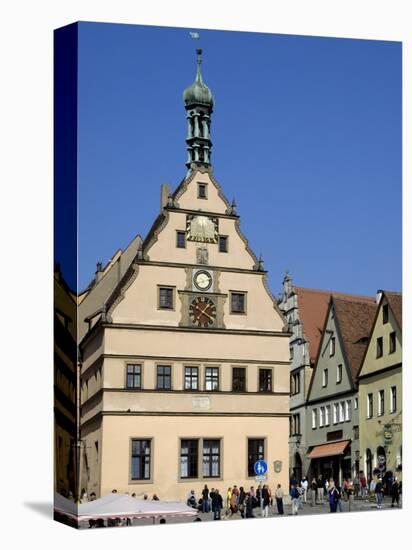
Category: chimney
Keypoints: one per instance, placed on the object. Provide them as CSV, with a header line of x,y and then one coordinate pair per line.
x,y
99,271
379,296
165,191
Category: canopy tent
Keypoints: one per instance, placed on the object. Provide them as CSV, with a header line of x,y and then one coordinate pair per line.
x,y
117,505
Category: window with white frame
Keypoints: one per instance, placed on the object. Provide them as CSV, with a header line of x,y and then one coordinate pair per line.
x,y
321,417
339,374
327,415
314,414
355,403
393,399
369,405
335,413
381,402
332,347
324,378
342,411
348,410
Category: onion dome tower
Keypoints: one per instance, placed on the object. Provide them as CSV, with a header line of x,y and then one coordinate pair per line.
x,y
198,101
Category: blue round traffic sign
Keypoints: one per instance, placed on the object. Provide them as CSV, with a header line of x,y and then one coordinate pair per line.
x,y
261,467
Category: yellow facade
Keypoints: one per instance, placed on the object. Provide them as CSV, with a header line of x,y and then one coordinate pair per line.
x,y
137,331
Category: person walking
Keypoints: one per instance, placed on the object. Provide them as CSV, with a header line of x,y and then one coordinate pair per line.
x,y
339,498
351,494
241,501
379,494
279,499
294,495
205,502
320,489
395,492
313,492
217,505
265,501
363,484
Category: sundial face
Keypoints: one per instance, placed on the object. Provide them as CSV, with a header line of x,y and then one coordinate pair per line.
x,y
202,229
202,312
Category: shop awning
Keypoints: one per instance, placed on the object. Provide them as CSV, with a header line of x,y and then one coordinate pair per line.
x,y
329,449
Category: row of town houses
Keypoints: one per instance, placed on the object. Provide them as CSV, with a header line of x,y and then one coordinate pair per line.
x,y
345,382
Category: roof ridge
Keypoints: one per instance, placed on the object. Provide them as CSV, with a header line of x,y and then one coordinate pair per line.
x,y
333,292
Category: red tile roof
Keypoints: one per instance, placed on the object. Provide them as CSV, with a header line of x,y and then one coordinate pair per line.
x,y
395,303
355,321
313,305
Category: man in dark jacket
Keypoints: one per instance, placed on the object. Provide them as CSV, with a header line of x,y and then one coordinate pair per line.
x,y
205,496
265,501
217,504
379,493
395,493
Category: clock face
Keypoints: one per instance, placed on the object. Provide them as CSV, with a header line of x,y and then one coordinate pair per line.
x,y
203,280
202,312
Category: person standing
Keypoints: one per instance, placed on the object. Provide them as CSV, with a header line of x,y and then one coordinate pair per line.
x,y
233,504
351,495
228,497
279,499
265,501
313,492
320,489
379,494
294,495
339,498
217,504
332,497
363,484
205,502
305,485
395,492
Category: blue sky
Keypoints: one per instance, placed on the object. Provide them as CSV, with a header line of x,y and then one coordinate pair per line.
x,y
306,136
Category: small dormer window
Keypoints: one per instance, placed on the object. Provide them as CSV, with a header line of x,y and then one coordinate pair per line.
x,y
385,314
202,191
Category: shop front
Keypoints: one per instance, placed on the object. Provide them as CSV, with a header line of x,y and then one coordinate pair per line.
x,y
331,461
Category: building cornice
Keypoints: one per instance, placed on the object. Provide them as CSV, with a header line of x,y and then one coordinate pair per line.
x,y
197,266
380,371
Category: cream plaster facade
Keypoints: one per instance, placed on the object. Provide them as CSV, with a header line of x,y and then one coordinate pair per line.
x,y
382,374
136,330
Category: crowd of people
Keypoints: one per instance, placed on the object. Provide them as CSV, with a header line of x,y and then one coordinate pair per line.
x,y
237,501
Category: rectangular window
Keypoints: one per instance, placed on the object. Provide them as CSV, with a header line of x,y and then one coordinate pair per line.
x,y
212,379
134,376
355,403
141,457
202,191
355,432
381,402
379,347
332,347
239,379
339,374
385,314
180,239
392,342
335,413
324,378
342,411
191,378
348,410
223,242
164,377
165,297
189,458
237,302
314,414
369,405
265,379
327,415
296,423
255,452
211,458
321,417
393,399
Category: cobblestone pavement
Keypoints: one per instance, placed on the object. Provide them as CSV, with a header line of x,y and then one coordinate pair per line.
x,y
307,510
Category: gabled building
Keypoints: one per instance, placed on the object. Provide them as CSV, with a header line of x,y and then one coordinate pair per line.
x,y
185,370
305,310
380,391
332,417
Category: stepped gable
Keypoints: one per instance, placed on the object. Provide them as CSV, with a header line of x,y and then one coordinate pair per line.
x,y
313,305
355,320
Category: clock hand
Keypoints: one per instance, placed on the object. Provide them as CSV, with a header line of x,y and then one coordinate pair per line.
x,y
204,312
